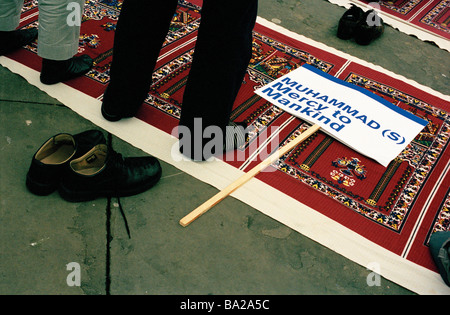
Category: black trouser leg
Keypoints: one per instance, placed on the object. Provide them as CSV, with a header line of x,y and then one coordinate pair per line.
x,y
221,58
141,30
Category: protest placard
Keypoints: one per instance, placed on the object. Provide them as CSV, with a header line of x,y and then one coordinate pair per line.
x,y
353,115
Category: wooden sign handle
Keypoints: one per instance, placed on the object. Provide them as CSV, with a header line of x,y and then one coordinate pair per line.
x,y
247,176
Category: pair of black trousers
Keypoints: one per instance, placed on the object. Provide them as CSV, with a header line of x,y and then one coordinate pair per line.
x,y
222,54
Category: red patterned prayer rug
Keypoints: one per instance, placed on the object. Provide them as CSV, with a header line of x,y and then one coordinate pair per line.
x,y
426,16
394,210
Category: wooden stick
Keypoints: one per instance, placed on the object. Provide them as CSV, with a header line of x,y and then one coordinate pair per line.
x,y
247,176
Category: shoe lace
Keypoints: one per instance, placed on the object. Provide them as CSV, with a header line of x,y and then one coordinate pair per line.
x,y
117,160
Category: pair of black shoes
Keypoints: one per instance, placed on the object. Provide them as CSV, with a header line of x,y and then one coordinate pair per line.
x,y
364,27
83,167
53,71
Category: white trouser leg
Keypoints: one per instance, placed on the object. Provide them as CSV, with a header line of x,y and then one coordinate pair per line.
x,y
58,35
10,14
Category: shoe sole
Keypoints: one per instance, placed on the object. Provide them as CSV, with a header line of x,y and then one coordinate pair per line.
x,y
109,117
83,196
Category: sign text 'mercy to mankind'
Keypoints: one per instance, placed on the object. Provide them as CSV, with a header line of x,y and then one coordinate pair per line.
x,y
360,119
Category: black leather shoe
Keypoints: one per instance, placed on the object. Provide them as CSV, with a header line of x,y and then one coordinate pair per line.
x,y
369,28
348,22
53,156
55,71
110,113
440,251
11,41
113,108
102,172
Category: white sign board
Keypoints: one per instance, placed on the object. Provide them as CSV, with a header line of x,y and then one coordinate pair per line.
x,y
358,118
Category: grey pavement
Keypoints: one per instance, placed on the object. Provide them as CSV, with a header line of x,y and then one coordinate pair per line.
x,y
234,250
